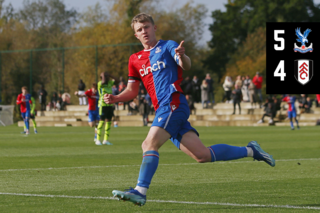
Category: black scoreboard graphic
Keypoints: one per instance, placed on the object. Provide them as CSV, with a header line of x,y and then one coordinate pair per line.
x,y
293,58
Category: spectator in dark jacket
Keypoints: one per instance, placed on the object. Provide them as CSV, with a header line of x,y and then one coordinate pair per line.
x,y
190,103
276,105
42,98
210,88
308,105
269,109
81,91
143,107
186,86
196,89
54,100
236,99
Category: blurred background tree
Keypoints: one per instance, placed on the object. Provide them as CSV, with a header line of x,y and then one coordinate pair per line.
x,y
237,45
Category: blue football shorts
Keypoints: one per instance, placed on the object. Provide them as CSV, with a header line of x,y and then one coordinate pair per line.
x,y
25,115
292,114
174,122
93,115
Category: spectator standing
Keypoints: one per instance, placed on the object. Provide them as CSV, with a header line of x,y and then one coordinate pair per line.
x,y
186,86
269,111
143,107
81,91
190,103
196,89
317,100
204,93
252,94
54,100
236,98
121,80
246,84
239,81
244,90
257,80
42,98
302,101
59,101
227,86
308,105
276,105
209,81
150,106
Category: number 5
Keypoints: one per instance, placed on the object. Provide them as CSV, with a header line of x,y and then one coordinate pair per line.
x,y
276,38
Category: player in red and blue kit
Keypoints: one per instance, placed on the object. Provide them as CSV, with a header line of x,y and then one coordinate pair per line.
x,y
292,113
93,110
24,99
159,66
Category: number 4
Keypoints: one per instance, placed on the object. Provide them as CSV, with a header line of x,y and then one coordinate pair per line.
x,y
279,72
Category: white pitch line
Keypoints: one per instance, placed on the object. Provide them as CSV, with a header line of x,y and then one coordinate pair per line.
x,y
177,164
166,201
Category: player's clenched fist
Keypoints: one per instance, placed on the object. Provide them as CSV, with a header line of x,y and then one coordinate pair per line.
x,y
180,50
108,99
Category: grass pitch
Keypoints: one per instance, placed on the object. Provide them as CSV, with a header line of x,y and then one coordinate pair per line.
x,y
61,170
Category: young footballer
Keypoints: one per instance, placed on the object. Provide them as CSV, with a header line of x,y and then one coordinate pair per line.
x,y
292,113
159,66
105,109
24,99
93,110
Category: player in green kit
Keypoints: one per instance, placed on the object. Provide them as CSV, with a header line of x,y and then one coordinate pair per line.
x,y
105,110
32,117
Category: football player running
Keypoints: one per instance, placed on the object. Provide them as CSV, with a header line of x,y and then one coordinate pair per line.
x,y
292,113
93,109
24,100
159,66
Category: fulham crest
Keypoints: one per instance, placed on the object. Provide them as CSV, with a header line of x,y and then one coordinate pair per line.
x,y
303,70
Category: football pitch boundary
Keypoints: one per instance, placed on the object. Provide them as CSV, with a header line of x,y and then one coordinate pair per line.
x,y
178,164
166,201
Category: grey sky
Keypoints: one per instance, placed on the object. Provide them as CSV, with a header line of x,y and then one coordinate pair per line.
x,y
81,5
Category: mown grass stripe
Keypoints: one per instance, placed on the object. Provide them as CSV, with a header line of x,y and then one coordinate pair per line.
x,y
167,201
177,164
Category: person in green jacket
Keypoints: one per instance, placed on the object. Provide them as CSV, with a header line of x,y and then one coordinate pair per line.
x,y
105,110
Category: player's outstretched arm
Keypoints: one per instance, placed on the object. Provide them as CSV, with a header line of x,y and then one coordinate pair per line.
x,y
184,60
77,94
128,94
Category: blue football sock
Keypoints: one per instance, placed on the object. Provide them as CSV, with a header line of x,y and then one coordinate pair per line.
x,y
297,123
26,122
291,123
224,152
148,168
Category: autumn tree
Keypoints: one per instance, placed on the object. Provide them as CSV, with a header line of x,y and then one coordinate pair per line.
x,y
242,17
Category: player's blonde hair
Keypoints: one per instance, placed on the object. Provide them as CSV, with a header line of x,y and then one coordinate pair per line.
x,y
25,88
141,18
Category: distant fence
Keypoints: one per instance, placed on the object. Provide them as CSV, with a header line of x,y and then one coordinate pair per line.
x,y
52,66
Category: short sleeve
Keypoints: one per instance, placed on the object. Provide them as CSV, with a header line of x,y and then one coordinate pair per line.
x,y
87,93
133,72
172,45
